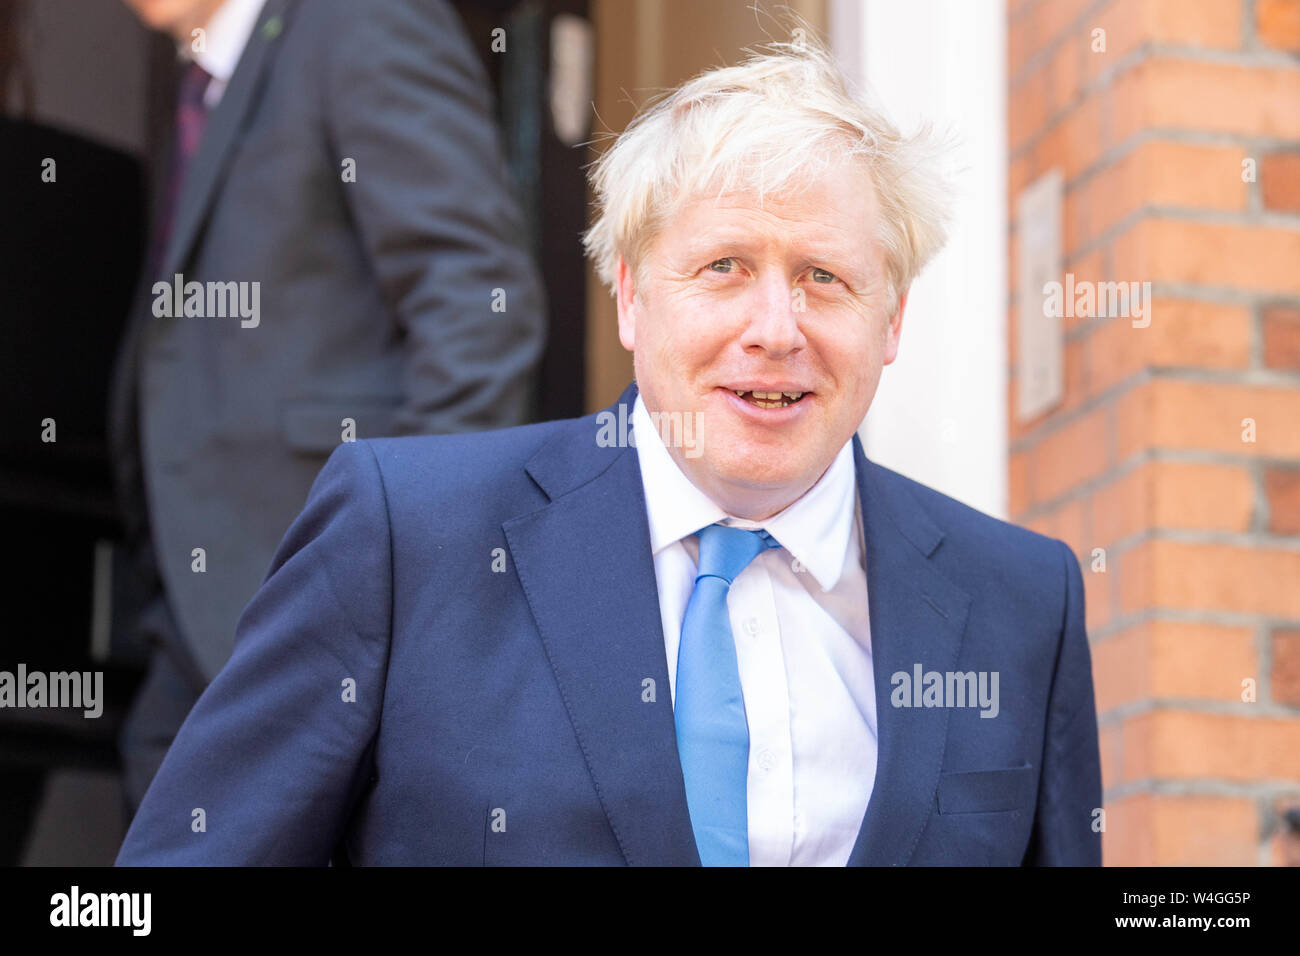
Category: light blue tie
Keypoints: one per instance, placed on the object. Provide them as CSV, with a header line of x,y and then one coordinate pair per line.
x,y
709,706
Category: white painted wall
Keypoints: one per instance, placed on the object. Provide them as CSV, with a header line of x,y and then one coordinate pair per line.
x,y
940,413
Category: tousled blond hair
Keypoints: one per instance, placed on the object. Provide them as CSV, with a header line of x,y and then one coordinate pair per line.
x,y
770,124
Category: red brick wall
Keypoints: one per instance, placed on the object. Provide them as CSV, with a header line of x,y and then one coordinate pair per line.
x,y
1145,456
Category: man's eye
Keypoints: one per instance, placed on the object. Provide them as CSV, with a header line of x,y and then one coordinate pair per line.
x,y
821,275
726,264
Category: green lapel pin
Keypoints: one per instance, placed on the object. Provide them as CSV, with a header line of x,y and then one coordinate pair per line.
x,y
272,27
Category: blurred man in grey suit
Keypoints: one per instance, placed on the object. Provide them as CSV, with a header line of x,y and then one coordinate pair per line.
x,y
337,255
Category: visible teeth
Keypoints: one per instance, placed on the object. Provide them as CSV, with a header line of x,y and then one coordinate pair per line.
x,y
769,399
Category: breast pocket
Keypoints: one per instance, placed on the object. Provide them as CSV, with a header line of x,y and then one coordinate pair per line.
x,y
987,791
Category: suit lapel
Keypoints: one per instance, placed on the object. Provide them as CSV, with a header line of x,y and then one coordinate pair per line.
x,y
210,163
585,564
917,616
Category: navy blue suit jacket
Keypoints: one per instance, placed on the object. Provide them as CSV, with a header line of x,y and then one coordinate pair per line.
x,y
446,664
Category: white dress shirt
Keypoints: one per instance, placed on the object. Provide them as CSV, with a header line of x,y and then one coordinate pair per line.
x,y
225,37
803,648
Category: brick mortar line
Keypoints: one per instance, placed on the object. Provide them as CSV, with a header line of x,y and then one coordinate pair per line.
x,y
1251,540
1200,787
1147,49
1255,348
1089,487
1102,84
1112,156
1262,637
1267,378
1252,145
1267,219
1054,422
1255,189
1240,620
1256,372
1257,56
1116,230
1261,710
1257,302
1044,54
1157,456
1261,514
1188,456
1122,469
1023,12
1244,540
1278,379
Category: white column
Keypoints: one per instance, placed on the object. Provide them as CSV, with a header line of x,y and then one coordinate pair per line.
x,y
939,415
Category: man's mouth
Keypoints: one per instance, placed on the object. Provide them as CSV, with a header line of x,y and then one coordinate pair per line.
x,y
770,399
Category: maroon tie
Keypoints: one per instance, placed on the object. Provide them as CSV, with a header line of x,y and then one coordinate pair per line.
x,y
191,116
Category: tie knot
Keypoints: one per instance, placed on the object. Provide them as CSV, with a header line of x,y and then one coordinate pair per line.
x,y
726,551
194,83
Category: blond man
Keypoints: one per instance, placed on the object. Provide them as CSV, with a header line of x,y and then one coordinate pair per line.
x,y
698,627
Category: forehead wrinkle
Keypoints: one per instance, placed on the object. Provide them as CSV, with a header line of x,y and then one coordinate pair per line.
x,y
780,220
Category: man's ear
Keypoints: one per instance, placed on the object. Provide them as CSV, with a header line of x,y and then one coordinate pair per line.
x,y
894,330
625,287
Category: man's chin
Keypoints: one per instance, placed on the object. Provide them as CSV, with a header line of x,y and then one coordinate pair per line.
x,y
757,473
756,455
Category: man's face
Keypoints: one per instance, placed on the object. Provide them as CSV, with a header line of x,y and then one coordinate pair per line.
x,y
787,297
176,17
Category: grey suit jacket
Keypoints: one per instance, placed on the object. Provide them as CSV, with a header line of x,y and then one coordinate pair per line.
x,y
402,300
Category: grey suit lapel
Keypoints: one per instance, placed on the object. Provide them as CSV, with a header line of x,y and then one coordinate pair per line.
x,y
210,163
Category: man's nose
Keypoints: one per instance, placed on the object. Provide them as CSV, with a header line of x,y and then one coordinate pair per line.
x,y
773,314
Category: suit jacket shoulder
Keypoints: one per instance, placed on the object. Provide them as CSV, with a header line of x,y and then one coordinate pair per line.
x,y
982,553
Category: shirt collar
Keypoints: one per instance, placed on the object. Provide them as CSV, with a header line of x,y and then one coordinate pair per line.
x,y
225,37
815,529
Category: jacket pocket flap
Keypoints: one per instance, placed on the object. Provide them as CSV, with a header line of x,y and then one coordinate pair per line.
x,y
986,791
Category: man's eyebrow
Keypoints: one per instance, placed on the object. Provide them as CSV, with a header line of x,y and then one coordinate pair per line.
x,y
837,250
701,242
